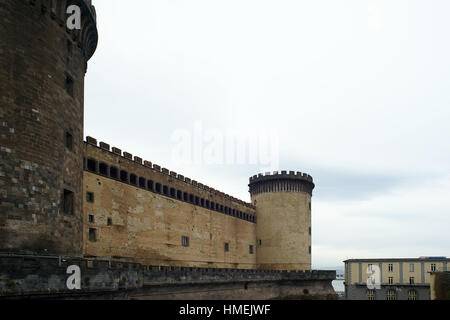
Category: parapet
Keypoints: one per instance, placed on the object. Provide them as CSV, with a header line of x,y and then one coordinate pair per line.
x,y
283,181
164,171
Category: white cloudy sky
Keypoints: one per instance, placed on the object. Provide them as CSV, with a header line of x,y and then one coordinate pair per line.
x,y
355,93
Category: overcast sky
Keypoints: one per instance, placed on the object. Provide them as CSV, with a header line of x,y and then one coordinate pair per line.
x,y
355,93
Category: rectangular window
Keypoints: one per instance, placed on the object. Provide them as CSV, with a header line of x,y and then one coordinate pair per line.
x,y
109,223
91,218
412,295
411,280
185,241
68,198
391,280
250,249
103,169
92,235
370,267
433,267
227,247
391,267
69,84
390,295
89,196
371,294
68,141
411,267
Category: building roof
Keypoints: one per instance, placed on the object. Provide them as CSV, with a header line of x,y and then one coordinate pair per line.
x,y
434,258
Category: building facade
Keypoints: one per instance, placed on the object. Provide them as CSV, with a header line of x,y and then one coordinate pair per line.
x,y
399,279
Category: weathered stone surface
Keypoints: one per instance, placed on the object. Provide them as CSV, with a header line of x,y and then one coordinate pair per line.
x,y
46,277
42,72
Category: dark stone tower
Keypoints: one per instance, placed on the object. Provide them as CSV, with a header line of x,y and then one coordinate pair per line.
x,y
42,69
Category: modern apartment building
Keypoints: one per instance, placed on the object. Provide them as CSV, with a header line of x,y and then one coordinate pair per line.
x,y
391,279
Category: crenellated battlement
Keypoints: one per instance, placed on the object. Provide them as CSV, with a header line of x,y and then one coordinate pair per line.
x,y
133,170
105,146
281,175
281,181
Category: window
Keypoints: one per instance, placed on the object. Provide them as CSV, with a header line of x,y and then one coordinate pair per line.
x,y
390,295
133,179
259,242
433,267
191,198
371,294
166,190
411,280
370,267
123,176
92,165
158,187
185,241
212,205
412,295
185,196
68,141
227,247
179,195
197,201
172,192
89,196
68,198
207,203
309,249
250,249
142,182
109,222
309,230
103,169
391,280
91,218
114,172
391,267
69,85
92,235
150,185
411,267
202,202
69,48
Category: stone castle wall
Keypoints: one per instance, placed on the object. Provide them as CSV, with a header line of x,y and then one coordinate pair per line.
x,y
142,213
45,277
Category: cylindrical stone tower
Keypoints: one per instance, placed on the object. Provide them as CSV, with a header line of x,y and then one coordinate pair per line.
x,y
43,61
283,226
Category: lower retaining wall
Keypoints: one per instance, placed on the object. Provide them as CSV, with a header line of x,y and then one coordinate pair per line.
x,y
47,277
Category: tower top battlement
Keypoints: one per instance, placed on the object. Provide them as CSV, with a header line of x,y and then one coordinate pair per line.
x,y
276,175
284,181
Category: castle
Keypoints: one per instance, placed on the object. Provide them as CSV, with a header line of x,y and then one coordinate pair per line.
x,y
63,196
